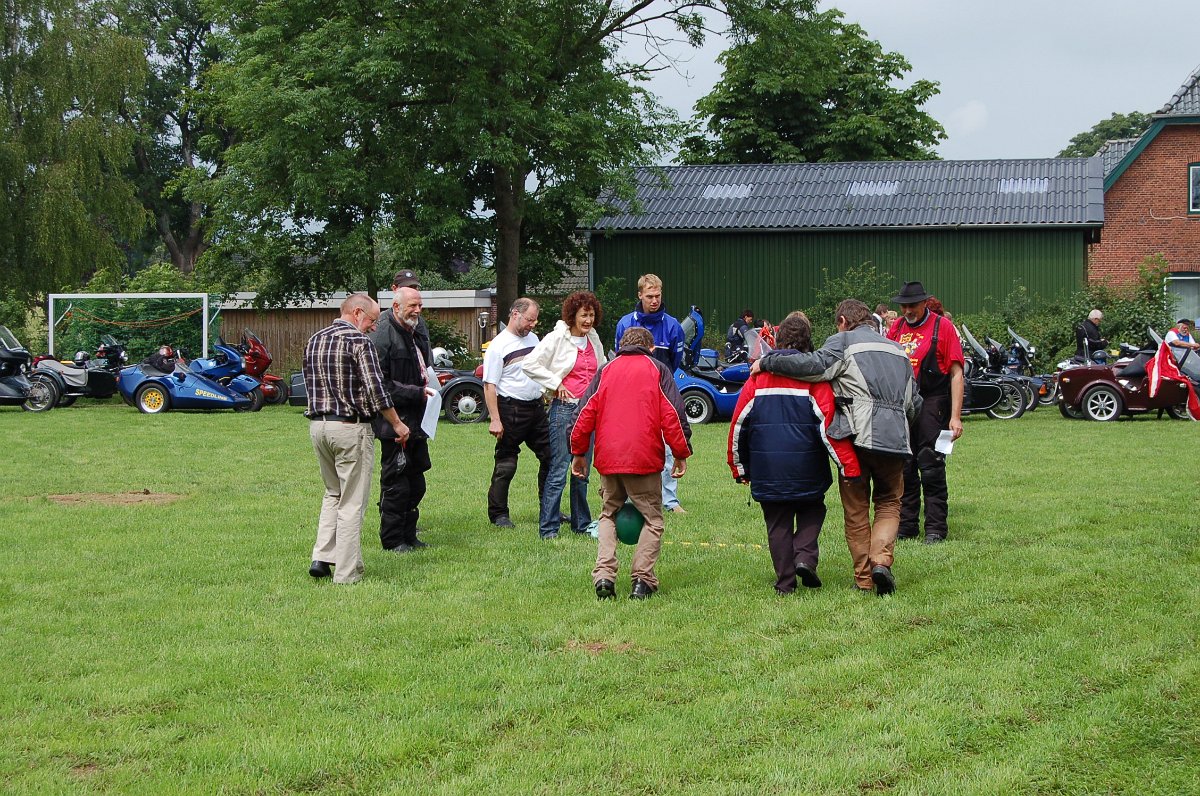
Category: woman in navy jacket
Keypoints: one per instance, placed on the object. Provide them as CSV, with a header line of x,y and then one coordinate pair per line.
x,y
778,445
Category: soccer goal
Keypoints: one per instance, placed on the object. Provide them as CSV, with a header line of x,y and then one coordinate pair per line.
x,y
130,326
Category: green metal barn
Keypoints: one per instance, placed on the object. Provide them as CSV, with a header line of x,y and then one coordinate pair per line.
x,y
759,236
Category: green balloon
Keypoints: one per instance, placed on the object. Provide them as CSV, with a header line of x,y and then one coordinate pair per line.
x,y
629,523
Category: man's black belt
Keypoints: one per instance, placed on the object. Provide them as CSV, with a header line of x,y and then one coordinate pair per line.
x,y
341,418
506,399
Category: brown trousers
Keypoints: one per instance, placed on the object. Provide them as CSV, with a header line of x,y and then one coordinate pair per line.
x,y
882,483
645,492
792,531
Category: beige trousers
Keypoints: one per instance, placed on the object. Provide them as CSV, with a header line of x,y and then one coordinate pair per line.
x,y
645,492
882,484
346,454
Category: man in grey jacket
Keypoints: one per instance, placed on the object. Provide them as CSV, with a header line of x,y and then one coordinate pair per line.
x,y
877,398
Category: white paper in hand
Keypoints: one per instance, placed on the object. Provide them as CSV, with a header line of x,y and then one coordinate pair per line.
x,y
433,408
945,443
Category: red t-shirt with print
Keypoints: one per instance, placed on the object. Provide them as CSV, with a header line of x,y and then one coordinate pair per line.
x,y
916,341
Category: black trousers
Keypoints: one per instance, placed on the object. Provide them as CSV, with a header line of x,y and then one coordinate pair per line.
x,y
792,530
925,472
400,491
524,422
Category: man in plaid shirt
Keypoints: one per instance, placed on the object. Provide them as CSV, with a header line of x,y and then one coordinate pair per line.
x,y
345,389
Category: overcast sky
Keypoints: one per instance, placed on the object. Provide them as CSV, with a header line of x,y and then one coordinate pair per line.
x,y
1018,78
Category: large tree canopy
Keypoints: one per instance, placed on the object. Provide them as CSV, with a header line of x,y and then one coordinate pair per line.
x,y
1119,125
382,134
176,146
65,74
805,86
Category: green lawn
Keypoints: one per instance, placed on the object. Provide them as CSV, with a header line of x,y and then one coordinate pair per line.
x,y
1049,647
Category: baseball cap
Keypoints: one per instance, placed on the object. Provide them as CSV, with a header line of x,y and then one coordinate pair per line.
x,y
406,279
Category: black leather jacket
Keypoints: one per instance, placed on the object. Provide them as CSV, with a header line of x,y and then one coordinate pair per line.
x,y
403,376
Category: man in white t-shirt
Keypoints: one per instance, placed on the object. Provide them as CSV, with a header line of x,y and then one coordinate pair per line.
x,y
1180,338
514,403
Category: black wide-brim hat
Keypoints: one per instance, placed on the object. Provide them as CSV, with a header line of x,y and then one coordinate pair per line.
x,y
911,293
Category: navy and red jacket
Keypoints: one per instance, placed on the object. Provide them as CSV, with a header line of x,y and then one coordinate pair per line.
x,y
632,406
777,439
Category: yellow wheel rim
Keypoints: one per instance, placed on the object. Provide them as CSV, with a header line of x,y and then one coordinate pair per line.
x,y
153,400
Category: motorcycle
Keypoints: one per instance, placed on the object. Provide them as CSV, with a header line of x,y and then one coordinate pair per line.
x,y
997,395
1105,392
84,377
1021,356
227,367
163,382
709,390
1000,361
16,389
257,359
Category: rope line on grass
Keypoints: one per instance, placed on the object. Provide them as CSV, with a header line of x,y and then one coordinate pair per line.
x,y
743,545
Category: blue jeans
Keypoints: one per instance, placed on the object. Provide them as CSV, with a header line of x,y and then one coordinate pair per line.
x,y
562,420
670,485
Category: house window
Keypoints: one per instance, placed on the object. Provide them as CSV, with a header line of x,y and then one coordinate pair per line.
x,y
1194,188
1185,287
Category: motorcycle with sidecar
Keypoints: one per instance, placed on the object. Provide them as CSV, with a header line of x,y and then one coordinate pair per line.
x,y
997,395
1106,392
163,382
709,390
16,389
85,376
227,367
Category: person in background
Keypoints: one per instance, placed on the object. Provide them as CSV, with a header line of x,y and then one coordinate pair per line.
x,y
1087,337
735,338
404,359
563,365
937,361
515,408
635,411
345,391
877,401
651,314
778,445
880,318
1180,338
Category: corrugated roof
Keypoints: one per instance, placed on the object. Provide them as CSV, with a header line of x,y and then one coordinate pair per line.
x,y
928,193
1185,101
1113,151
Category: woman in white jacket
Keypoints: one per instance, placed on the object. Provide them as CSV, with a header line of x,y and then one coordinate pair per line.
x,y
563,363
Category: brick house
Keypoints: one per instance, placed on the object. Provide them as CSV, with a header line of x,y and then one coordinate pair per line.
x,y
1152,200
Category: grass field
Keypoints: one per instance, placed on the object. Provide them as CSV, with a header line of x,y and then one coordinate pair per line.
x,y
1049,647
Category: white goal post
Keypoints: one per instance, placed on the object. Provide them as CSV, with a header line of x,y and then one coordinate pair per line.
x,y
53,321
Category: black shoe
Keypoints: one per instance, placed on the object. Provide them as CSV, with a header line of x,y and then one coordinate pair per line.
x,y
551,535
400,548
563,519
605,590
934,538
320,569
417,544
907,535
641,591
808,576
503,522
885,582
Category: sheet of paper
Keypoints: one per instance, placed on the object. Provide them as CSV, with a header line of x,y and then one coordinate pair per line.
x,y
945,443
433,408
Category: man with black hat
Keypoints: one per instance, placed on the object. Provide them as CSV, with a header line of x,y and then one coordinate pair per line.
x,y
936,356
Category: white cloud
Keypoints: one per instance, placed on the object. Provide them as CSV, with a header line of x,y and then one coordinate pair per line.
x,y
967,119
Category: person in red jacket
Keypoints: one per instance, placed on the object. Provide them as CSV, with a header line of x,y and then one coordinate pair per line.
x,y
635,411
778,445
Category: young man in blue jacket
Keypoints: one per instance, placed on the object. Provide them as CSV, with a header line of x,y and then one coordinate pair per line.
x,y
652,316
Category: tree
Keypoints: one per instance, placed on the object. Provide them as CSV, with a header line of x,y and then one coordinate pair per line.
x,y
469,128
805,86
177,147
65,73
1119,125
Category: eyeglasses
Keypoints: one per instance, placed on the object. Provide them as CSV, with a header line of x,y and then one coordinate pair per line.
x,y
371,319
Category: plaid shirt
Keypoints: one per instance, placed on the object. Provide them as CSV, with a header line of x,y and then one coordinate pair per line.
x,y
342,374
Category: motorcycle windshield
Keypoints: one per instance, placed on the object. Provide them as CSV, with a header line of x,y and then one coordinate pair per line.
x,y
979,350
1021,341
8,340
109,341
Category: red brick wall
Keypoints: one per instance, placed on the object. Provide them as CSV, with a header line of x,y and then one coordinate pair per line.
x,y
1145,212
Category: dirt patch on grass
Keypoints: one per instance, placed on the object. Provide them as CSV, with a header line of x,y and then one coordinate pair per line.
x,y
85,770
114,499
599,647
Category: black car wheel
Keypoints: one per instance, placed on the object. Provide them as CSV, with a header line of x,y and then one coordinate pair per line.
x,y
1070,412
698,407
1180,412
1102,403
465,404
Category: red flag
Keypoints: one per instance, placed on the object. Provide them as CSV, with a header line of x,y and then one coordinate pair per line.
x,y
1163,367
